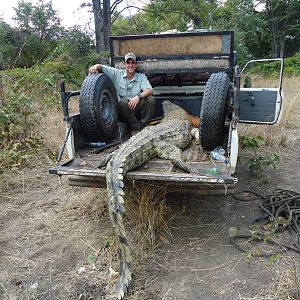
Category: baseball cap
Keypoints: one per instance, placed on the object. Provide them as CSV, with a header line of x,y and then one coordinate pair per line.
x,y
130,55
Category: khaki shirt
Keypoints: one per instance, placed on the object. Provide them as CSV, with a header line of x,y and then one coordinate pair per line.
x,y
127,88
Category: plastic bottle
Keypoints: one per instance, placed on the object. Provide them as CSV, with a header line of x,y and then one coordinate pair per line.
x,y
214,171
97,144
220,150
219,155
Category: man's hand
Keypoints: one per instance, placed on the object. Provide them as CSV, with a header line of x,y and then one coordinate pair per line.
x,y
133,102
95,69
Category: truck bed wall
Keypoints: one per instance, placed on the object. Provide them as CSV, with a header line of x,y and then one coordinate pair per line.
x,y
172,45
183,52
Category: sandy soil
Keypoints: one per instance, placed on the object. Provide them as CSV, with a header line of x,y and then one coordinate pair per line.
x,y
57,243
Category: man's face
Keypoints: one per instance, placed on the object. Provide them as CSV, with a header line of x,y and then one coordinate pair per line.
x,y
130,66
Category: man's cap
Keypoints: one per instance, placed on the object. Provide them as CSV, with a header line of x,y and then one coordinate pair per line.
x,y
130,55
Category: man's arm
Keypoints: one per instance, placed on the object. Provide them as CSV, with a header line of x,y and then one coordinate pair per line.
x,y
146,92
111,72
95,69
136,99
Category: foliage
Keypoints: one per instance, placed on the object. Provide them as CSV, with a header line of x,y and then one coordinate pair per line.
x,y
35,37
252,143
140,23
177,14
41,20
251,38
25,93
282,18
75,42
18,123
292,65
73,54
258,162
17,48
9,42
271,69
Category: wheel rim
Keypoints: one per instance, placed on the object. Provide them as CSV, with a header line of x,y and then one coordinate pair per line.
x,y
106,107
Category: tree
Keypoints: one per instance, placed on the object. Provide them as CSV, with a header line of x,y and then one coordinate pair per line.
x,y
40,19
40,31
102,11
251,37
140,23
176,14
9,40
102,16
282,17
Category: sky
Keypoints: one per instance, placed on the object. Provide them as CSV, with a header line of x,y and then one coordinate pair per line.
x,y
69,10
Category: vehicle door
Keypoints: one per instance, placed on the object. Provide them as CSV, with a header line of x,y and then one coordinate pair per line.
x,y
260,97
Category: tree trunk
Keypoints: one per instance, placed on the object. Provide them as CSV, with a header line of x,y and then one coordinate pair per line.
x,y
102,16
282,48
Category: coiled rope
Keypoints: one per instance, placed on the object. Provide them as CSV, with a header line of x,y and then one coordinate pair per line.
x,y
281,212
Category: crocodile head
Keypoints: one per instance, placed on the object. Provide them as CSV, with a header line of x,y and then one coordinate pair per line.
x,y
168,106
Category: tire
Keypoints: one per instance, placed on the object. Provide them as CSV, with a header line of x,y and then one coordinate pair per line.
x,y
98,108
213,111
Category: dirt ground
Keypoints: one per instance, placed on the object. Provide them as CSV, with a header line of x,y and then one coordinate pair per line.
x,y
57,243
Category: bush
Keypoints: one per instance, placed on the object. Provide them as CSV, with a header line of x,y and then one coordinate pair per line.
x,y
271,69
292,65
25,93
18,135
258,162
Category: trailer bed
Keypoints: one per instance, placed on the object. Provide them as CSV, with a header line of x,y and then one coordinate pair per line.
x,y
88,170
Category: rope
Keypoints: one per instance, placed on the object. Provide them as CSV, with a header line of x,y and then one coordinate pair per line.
x,y
281,212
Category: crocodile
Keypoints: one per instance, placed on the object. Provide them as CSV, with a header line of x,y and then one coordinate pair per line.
x,y
166,140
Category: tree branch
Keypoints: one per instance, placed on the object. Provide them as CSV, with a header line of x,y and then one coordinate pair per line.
x,y
130,6
139,9
114,5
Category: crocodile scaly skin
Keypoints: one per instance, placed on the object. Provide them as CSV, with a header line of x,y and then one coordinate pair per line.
x,y
164,140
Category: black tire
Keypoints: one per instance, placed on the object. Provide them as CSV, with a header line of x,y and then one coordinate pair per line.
x,y
98,107
213,111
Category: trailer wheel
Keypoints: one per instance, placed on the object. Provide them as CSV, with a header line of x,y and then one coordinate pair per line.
x,y
98,107
213,111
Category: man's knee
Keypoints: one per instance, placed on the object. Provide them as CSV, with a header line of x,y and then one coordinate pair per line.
x,y
150,101
123,103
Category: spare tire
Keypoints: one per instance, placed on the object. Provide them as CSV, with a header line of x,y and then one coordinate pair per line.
x,y
213,111
98,107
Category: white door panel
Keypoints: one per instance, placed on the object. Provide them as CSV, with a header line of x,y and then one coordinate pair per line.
x,y
261,104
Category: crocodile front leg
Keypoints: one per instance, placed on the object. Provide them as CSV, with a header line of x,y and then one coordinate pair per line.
x,y
169,151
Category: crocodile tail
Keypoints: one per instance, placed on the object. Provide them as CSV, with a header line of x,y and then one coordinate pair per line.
x,y
115,185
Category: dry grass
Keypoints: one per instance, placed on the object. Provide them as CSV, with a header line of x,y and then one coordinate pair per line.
x,y
276,135
147,215
53,127
284,287
77,220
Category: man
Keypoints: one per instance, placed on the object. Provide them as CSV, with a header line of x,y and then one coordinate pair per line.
x,y
136,104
